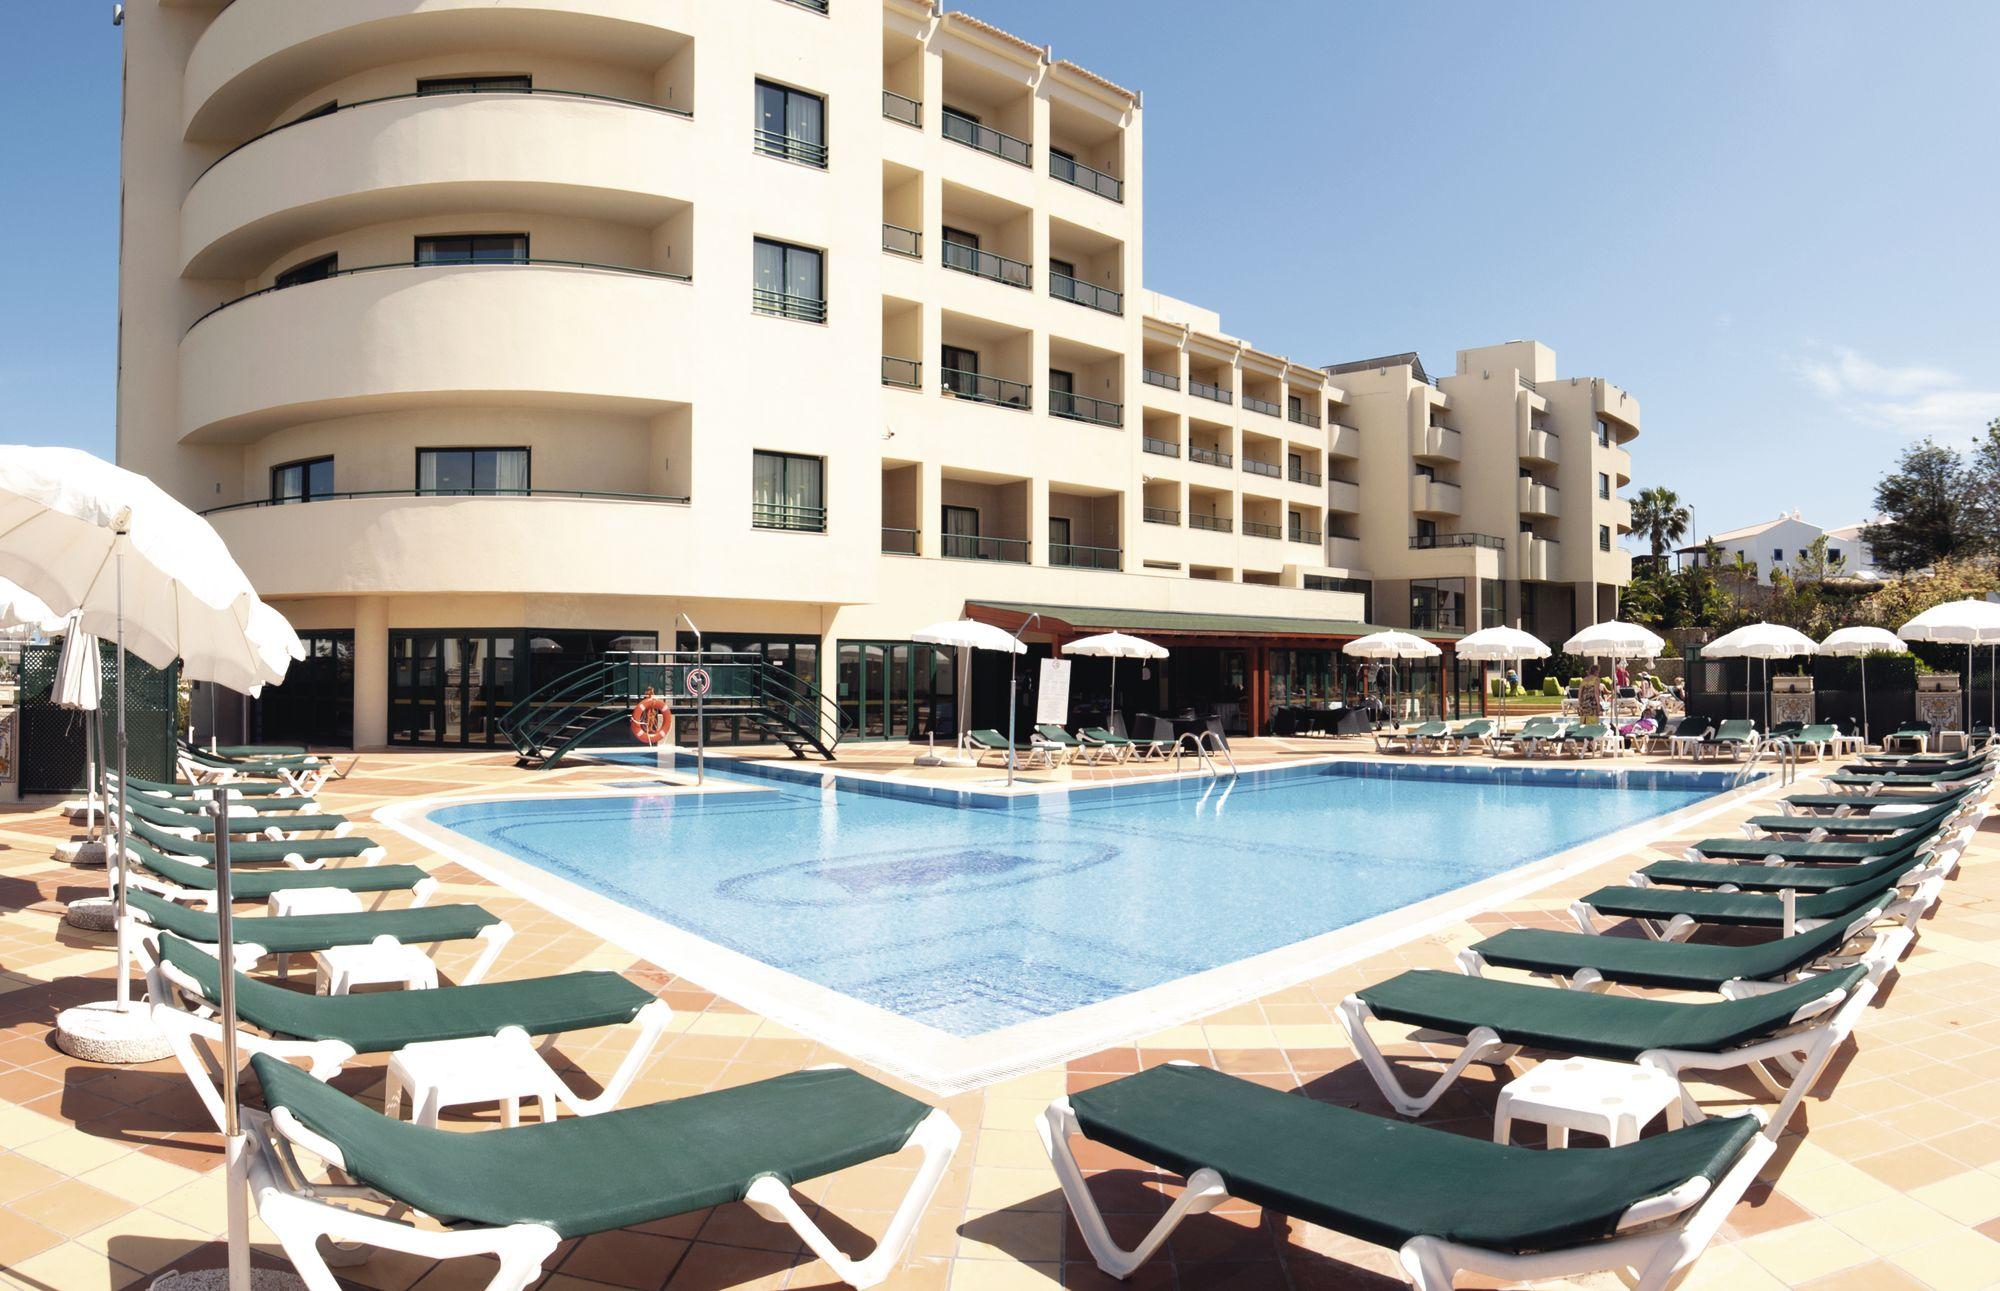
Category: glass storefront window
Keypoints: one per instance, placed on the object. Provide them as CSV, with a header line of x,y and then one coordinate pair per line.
x,y
896,690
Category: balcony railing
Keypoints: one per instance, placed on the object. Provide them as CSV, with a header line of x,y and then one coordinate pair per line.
x,y
1265,406
982,389
1064,287
1164,380
1211,456
1252,466
1214,524
898,240
1526,384
817,6
1081,407
959,546
1163,447
898,108
572,495
1303,418
1311,536
905,374
1207,391
1071,171
1435,541
963,129
804,151
1162,515
1070,555
985,264
1258,529
779,304
1300,475
784,515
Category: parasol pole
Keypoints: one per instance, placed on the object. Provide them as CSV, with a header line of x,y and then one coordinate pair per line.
x,y
236,1141
117,860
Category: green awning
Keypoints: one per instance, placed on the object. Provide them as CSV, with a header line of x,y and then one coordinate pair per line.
x,y
1140,622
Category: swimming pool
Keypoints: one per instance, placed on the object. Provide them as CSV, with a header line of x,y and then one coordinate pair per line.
x,y
970,913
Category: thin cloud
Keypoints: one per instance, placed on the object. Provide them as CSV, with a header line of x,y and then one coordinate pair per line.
x,y
1912,400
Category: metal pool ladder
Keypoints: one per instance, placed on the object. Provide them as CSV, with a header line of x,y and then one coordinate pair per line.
x,y
1787,754
1198,744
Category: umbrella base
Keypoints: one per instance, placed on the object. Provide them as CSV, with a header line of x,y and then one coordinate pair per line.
x,y
100,1033
92,914
941,760
92,854
218,1280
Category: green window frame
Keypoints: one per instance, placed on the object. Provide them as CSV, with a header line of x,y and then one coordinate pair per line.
x,y
787,491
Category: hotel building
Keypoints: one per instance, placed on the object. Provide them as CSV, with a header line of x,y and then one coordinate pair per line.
x,y
495,335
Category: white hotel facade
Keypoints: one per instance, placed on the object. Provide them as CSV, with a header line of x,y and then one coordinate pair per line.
x,y
498,334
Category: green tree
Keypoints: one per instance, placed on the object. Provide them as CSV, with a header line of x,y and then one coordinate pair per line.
x,y
1983,468
1926,508
1659,517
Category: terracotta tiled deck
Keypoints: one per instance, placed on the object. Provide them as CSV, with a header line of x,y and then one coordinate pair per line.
x,y
1889,1178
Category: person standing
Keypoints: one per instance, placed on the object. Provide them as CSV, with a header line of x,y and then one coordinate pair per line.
x,y
1590,695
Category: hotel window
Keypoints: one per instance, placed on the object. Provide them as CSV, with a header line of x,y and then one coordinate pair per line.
x,y
474,84
307,481
788,491
790,281
1777,555
1492,602
1437,603
1603,433
454,471
1603,485
315,270
473,248
1604,537
1328,583
960,369
790,124
960,527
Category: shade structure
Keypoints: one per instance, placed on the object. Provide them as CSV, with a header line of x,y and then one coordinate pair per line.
x,y
79,685
1391,645
21,608
1766,641
1859,643
1115,646
967,635
1968,623
1501,645
1613,639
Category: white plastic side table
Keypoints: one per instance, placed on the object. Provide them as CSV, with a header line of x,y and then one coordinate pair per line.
x,y
382,962
1612,1099
481,1069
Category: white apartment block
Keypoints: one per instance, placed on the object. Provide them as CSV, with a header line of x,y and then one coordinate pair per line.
x,y
496,335
1779,544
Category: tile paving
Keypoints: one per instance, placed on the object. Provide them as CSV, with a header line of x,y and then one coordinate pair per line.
x,y
1889,1177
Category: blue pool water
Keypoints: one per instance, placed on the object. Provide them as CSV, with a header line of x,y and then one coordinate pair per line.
x,y
973,912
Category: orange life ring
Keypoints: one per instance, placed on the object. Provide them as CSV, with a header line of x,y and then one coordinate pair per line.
x,y
650,717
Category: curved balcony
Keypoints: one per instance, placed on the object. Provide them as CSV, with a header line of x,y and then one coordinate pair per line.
x,y
529,333
414,155
1430,497
1538,499
260,57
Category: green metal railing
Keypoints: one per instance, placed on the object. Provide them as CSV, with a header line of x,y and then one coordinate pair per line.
x,y
1209,456
898,107
780,515
779,304
981,389
582,495
905,374
898,240
1163,447
1206,390
1258,529
1063,287
1081,407
1071,171
987,264
1076,556
963,129
512,262
1265,406
806,152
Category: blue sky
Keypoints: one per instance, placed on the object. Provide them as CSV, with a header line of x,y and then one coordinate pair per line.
x,y
1774,223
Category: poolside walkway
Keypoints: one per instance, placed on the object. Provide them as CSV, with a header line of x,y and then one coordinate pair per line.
x,y
110,1175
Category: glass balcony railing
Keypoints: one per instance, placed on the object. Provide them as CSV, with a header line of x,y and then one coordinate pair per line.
x,y
1162,515
1311,536
982,389
1258,529
777,303
1252,466
1079,407
905,374
898,240
901,542
1064,287
1210,456
960,546
1164,380
1434,541
963,129
985,264
906,110
1300,475
1304,418
1214,524
783,515
1204,390
1073,556
1265,406
1162,447
1071,171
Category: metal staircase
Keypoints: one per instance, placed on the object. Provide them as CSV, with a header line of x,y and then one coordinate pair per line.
x,y
577,706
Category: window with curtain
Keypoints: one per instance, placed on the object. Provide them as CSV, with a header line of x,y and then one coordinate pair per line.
x,y
473,248
790,124
306,481
473,84
790,281
788,491
472,470
317,269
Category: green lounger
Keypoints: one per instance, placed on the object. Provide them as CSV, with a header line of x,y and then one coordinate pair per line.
x,y
1915,766
1853,802
1803,851
305,933
1388,741
1773,878
1584,960
156,812
1851,827
254,751
1737,734
1477,731
992,744
1674,912
516,1193
299,852
185,982
265,797
1446,1203
1930,780
1802,1022
182,879
248,766
1054,734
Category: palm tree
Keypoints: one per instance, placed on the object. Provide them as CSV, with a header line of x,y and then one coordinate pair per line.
x,y
1659,517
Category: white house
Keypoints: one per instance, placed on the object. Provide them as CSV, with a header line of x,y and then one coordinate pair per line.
x,y
1778,544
